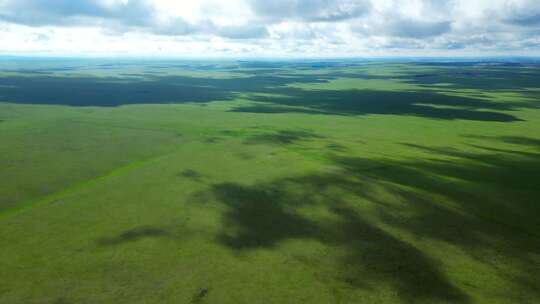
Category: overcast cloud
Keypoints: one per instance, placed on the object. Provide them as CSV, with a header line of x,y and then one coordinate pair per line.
x,y
305,28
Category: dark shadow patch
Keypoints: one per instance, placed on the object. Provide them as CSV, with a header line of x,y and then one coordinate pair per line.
x,y
268,109
485,204
336,147
519,140
212,139
282,137
414,275
84,90
259,220
246,156
270,90
61,301
499,150
133,235
262,216
232,133
200,295
478,75
191,174
367,102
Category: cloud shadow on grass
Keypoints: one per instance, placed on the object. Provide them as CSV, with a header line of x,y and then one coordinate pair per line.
x,y
369,102
271,92
483,203
263,216
133,235
281,137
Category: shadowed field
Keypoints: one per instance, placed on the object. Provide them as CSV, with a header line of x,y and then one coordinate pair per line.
x,y
269,182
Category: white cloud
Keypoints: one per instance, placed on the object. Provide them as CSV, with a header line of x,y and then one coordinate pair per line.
x,y
270,28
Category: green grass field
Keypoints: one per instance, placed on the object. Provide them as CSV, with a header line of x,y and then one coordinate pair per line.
x,y
269,182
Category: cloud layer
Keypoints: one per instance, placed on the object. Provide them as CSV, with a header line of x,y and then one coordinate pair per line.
x,y
270,28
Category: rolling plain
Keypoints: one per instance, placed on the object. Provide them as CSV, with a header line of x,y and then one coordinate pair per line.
x,y
146,181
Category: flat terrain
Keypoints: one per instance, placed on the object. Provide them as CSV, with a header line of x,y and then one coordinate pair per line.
x,y
269,182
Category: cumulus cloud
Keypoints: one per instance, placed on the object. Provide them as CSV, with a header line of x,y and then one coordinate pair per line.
x,y
523,13
115,16
405,27
271,28
417,28
310,10
69,12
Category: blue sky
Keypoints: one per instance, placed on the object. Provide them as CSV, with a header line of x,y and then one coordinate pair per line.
x,y
270,28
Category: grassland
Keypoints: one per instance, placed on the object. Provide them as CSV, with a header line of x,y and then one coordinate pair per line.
x,y
269,182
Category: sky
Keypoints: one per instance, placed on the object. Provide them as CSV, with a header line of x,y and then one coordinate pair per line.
x,y
270,28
